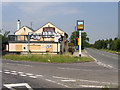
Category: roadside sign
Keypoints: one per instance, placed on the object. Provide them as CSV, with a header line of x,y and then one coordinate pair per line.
x,y
80,25
78,41
57,37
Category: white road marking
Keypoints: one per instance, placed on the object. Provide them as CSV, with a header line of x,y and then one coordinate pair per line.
x,y
91,86
84,80
28,65
14,73
19,64
100,63
75,69
39,75
59,77
0,71
20,72
68,80
17,85
7,72
33,76
56,82
29,74
63,85
23,75
50,80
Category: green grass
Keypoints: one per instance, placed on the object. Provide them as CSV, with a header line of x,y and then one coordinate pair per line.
x,y
48,58
110,51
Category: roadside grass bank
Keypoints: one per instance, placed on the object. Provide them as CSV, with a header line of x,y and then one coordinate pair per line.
x,y
48,58
110,51
107,50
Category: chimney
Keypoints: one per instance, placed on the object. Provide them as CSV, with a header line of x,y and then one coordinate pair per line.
x,y
18,24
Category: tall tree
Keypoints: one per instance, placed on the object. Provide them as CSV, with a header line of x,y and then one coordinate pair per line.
x,y
84,38
103,44
5,39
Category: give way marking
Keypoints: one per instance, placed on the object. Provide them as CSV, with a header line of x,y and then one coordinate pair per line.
x,y
11,86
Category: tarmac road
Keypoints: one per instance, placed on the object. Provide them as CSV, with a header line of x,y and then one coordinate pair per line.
x,y
16,74
108,59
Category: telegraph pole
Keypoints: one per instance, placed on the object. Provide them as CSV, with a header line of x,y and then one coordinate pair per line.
x,y
31,24
75,37
28,45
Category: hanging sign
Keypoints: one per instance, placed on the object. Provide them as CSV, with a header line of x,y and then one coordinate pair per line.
x,y
80,25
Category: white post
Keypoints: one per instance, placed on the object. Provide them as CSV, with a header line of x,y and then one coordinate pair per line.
x,y
80,43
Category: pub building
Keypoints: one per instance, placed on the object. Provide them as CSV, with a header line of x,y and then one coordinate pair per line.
x,y
46,39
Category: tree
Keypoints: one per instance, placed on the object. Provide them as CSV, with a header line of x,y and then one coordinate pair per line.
x,y
5,39
113,44
84,39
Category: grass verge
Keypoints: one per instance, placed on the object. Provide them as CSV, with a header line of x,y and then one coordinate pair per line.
x,y
48,58
110,51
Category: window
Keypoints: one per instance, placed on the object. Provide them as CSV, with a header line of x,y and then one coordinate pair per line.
x,y
24,48
24,29
48,46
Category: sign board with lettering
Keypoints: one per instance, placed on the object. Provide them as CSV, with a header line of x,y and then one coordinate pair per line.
x,y
34,36
80,25
57,37
48,32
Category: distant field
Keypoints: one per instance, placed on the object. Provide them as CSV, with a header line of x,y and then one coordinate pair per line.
x,y
48,58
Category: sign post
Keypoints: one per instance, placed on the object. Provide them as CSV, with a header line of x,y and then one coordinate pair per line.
x,y
80,27
80,43
34,36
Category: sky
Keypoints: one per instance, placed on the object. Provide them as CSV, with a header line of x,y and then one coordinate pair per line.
x,y
100,18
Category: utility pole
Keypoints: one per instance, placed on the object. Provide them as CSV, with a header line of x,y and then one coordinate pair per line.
x,y
60,49
28,45
31,24
75,37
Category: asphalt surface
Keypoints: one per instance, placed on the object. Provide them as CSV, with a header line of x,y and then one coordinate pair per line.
x,y
105,58
19,74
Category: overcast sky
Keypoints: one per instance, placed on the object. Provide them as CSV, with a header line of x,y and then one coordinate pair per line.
x,y
101,19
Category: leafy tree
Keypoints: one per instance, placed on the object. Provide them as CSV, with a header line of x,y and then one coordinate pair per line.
x,y
5,39
113,44
84,38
